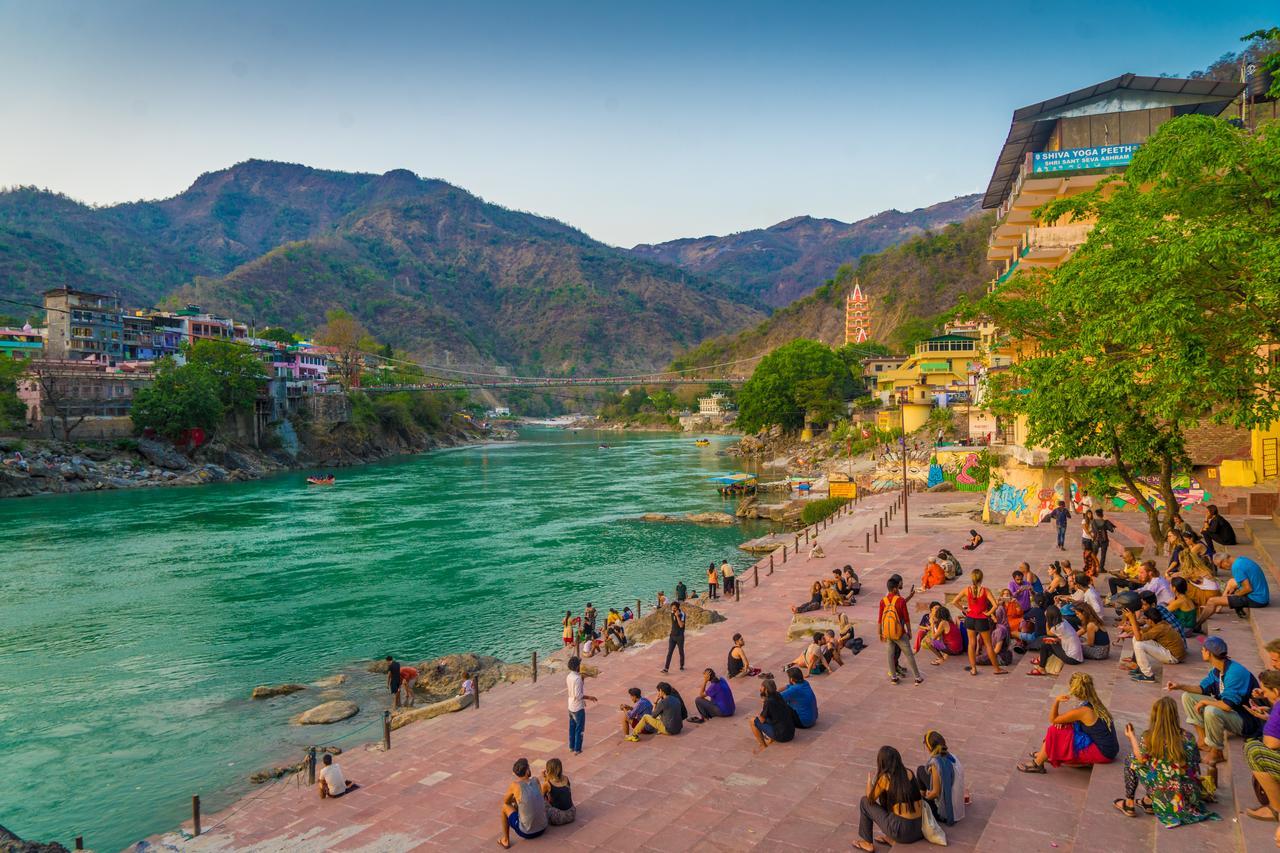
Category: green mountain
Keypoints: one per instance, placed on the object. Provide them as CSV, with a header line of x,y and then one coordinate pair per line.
x,y
427,266
909,287
777,265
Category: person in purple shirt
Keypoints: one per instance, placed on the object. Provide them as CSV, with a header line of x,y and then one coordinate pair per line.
x,y
1020,589
1263,755
715,699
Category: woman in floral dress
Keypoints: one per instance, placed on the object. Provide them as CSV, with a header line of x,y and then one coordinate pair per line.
x,y
1166,761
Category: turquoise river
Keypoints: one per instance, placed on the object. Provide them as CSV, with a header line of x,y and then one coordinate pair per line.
x,y
136,623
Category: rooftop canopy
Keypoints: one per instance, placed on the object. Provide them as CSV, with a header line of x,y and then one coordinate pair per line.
x,y
1032,125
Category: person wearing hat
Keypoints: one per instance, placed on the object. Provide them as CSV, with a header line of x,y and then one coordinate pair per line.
x,y
1218,703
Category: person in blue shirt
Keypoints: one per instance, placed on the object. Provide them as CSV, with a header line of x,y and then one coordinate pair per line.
x,y
1060,515
634,712
1247,587
1218,703
799,697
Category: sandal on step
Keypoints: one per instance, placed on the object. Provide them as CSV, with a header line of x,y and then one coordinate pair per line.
x,y
1145,805
1269,814
1031,768
1128,811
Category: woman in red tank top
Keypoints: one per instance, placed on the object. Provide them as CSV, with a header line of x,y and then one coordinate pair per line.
x,y
979,605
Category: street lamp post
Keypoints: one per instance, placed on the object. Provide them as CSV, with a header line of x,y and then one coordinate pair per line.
x,y
905,523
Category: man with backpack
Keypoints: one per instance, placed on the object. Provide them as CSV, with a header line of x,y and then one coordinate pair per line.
x,y
893,619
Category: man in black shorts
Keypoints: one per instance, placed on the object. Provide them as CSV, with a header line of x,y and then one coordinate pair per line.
x,y
676,638
393,680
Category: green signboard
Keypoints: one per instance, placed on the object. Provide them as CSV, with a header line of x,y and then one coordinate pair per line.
x,y
1074,159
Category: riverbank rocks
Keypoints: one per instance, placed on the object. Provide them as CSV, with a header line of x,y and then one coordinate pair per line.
x,y
260,776
691,518
763,545
329,712
266,691
333,680
162,455
656,625
804,624
405,716
711,518
10,843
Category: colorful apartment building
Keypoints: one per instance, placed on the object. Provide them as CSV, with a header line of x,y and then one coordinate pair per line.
x,y
1056,149
82,325
21,343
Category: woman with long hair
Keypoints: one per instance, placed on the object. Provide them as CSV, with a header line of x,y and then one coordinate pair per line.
x,y
558,794
1060,641
1080,737
941,779
978,607
1166,761
1093,632
814,602
892,803
944,635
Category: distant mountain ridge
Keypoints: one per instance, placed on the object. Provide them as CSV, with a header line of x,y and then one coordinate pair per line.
x,y
429,267
774,266
909,287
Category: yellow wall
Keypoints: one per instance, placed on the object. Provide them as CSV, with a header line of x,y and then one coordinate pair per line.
x,y
1019,496
914,416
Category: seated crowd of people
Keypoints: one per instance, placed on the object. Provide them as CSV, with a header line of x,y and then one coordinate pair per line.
x,y
1061,621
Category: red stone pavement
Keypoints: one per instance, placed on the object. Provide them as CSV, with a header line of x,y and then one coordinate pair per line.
x,y
440,785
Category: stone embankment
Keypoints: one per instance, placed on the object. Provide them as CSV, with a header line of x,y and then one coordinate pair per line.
x,y
40,466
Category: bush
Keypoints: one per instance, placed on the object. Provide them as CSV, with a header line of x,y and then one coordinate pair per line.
x,y
815,511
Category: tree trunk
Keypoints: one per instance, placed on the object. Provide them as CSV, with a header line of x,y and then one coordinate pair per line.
x,y
1153,516
1166,489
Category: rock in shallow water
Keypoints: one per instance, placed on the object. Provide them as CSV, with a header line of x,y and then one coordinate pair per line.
x,y
329,712
266,691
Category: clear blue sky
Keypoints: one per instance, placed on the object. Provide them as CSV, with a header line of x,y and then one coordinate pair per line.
x,y
636,122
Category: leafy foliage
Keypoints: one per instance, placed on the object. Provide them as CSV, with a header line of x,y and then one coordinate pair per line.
x,y
1163,318
13,412
815,511
237,371
800,380
180,399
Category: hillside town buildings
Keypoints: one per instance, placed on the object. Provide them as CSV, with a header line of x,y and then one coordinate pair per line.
x,y
93,355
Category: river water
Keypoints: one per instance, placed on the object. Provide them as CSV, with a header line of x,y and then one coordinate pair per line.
x,y
134,624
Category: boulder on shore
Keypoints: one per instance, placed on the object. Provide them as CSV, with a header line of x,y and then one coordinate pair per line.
x,y
329,712
333,680
656,625
10,843
405,716
711,518
266,691
162,455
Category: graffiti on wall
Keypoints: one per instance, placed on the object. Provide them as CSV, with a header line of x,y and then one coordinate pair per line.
x,y
1186,489
968,471
1007,499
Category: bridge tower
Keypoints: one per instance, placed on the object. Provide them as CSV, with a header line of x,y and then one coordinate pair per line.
x,y
857,317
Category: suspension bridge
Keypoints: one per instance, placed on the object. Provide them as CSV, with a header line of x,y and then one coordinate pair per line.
x,y
538,382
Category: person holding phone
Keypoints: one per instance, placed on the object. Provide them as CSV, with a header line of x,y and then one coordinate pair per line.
x,y
1263,755
1166,761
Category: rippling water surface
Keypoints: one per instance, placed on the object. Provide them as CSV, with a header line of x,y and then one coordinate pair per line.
x,y
134,624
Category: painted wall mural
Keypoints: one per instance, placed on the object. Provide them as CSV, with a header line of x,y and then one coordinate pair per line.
x,y
1025,496
967,470
1186,489
888,471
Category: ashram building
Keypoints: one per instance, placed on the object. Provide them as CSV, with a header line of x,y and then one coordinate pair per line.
x,y
1062,147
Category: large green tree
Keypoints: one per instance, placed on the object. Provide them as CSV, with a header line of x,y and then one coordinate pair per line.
x,y
13,412
1162,320
799,381
238,370
180,398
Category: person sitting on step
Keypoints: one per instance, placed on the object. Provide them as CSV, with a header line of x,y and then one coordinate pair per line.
x,y
1080,737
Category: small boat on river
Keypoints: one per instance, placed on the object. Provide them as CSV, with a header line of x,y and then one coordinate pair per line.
x,y
702,442
322,481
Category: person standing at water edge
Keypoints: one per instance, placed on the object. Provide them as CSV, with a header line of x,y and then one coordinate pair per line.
x,y
682,592
713,581
675,640
577,705
393,680
726,572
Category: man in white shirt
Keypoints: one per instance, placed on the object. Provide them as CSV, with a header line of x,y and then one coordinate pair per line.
x,y
577,705
1084,592
330,780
